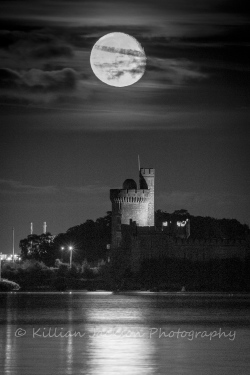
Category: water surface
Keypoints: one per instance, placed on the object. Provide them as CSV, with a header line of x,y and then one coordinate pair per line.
x,y
132,333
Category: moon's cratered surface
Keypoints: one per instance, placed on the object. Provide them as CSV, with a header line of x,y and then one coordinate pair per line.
x,y
118,59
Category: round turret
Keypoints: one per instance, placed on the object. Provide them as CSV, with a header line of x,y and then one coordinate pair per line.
x,y
129,184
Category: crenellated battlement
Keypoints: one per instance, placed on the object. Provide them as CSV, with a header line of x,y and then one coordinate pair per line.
x,y
147,172
208,242
129,199
129,196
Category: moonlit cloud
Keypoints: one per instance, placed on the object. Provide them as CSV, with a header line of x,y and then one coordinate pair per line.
x,y
36,79
88,189
161,73
173,71
12,187
123,51
211,202
35,44
39,86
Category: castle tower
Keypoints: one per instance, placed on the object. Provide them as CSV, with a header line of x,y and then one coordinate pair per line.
x,y
147,181
130,203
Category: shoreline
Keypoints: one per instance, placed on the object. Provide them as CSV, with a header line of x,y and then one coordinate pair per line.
x,y
138,292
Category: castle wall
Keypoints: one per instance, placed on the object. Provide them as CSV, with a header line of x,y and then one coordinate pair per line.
x,y
133,229
158,245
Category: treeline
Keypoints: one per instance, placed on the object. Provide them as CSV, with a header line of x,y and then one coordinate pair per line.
x,y
90,239
34,275
204,228
46,258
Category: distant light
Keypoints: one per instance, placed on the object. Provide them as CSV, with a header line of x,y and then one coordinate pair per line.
x,y
181,223
165,224
70,247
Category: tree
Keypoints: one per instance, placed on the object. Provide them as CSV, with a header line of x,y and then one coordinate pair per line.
x,y
40,248
89,239
206,227
181,212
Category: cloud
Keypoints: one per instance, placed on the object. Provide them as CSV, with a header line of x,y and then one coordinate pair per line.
x,y
9,79
36,79
122,51
173,71
12,187
201,201
183,198
51,51
116,69
40,87
88,189
35,44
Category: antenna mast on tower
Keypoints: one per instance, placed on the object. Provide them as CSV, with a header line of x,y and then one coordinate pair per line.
x,y
139,166
13,245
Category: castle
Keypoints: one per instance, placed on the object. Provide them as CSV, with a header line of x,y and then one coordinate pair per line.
x,y
134,231
130,203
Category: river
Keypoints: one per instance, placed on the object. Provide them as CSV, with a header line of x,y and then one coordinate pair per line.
x,y
108,333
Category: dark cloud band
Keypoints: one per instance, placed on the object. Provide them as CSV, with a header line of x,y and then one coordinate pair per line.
x,y
122,51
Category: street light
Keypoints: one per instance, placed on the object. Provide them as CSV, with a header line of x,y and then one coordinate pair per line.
x,y
0,265
70,261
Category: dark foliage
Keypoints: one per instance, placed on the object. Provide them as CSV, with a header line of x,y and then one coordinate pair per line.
x,y
89,240
206,227
224,275
40,248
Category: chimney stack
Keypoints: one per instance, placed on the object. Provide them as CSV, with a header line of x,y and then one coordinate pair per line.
x,y
44,227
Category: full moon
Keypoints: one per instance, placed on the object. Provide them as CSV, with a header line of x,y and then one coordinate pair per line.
x,y
118,59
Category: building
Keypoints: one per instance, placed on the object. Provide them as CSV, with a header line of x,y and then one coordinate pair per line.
x,y
130,203
134,232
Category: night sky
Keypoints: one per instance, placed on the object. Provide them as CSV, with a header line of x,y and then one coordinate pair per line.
x,y
67,138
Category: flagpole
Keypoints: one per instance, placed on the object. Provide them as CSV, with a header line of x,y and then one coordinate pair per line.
x,y
13,243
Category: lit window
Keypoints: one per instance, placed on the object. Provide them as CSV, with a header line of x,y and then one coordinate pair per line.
x,y
181,223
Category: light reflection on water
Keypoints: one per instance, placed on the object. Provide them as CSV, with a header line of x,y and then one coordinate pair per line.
x,y
115,332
